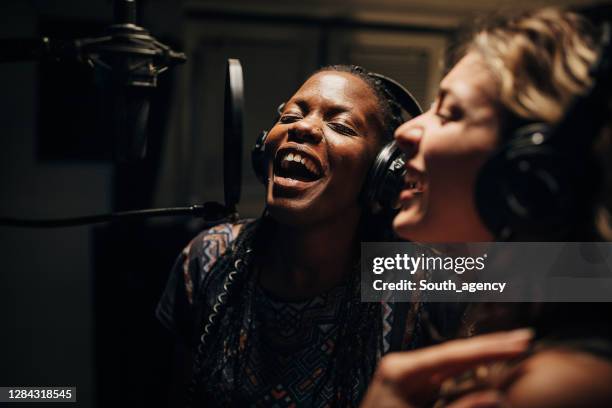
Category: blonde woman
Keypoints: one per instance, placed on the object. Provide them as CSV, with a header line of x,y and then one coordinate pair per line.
x,y
522,69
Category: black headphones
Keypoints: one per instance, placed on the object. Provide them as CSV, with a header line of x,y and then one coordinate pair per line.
x,y
542,177
386,175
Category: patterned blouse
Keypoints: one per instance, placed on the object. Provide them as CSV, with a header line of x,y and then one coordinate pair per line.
x,y
291,342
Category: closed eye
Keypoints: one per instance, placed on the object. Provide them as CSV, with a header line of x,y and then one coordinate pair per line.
x,y
342,129
289,118
449,115
446,110
443,118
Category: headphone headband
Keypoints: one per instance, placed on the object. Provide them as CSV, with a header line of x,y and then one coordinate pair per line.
x,y
400,94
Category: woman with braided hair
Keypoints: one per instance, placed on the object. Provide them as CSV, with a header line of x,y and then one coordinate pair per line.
x,y
269,310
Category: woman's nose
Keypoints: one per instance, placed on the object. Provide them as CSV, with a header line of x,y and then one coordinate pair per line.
x,y
408,137
306,130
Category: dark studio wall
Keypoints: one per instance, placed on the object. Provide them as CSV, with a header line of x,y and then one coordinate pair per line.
x,y
46,278
53,308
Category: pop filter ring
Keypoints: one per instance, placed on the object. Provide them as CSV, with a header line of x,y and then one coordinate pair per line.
x,y
233,133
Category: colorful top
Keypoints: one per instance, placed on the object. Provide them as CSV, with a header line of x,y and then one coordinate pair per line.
x,y
291,343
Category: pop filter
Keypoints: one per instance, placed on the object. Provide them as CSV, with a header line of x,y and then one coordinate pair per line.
x,y
232,133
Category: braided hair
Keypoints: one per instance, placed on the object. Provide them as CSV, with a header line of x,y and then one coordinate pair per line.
x,y
224,346
221,345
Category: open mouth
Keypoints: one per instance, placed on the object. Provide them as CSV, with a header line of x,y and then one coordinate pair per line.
x,y
413,183
297,165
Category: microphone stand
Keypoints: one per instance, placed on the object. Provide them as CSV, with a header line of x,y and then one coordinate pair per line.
x,y
210,212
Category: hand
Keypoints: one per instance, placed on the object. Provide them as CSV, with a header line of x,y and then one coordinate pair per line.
x,y
413,378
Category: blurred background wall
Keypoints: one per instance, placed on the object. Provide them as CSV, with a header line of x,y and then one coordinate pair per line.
x,y
77,304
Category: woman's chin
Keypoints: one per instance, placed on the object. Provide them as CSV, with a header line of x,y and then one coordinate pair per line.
x,y
407,223
292,211
282,208
309,212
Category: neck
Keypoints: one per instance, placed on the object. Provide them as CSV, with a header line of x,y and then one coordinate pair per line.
x,y
303,261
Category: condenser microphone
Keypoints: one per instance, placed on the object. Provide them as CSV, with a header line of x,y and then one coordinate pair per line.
x,y
127,61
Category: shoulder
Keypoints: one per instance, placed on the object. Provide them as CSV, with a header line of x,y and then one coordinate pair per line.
x,y
214,241
203,251
562,377
219,236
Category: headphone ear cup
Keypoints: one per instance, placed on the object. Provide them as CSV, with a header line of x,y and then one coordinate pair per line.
x,y
526,189
386,178
258,157
258,153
